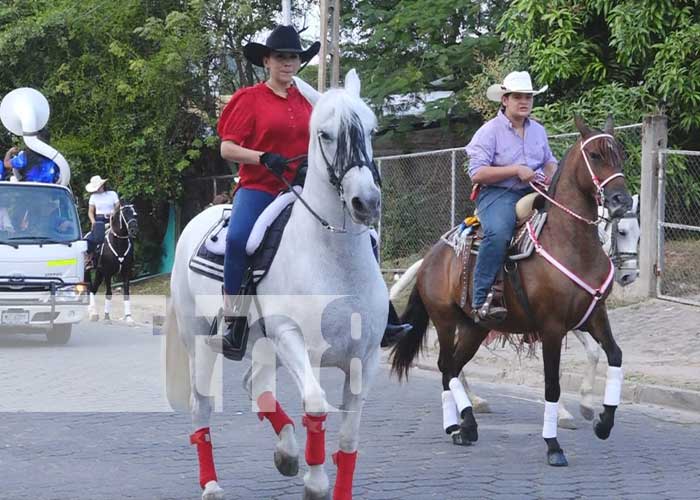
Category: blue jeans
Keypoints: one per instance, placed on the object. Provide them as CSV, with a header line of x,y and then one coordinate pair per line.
x,y
496,209
248,204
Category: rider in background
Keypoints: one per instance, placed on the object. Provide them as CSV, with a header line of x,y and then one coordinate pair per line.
x,y
505,154
261,128
102,204
31,166
6,171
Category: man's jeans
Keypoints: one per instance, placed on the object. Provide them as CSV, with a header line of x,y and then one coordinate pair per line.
x,y
496,210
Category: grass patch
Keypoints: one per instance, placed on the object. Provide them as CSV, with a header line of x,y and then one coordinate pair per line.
x,y
160,285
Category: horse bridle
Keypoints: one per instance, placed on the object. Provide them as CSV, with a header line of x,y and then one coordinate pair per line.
x,y
600,186
336,181
122,223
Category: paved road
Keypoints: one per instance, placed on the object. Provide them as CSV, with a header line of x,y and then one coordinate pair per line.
x,y
100,453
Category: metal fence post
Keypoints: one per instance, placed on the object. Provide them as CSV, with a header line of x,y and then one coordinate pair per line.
x,y
454,189
379,224
654,138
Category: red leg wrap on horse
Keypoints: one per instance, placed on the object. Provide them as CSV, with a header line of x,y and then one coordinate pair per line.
x,y
278,418
315,439
207,471
346,471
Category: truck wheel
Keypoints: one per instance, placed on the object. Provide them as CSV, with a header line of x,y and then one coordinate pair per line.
x,y
59,334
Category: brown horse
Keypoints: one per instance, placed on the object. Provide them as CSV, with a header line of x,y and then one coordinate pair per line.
x,y
566,282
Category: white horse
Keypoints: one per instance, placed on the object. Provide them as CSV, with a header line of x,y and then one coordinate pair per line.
x,y
328,263
620,239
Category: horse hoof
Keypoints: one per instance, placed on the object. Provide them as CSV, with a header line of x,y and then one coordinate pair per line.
x,y
602,431
212,491
310,494
286,465
470,433
556,459
587,412
567,423
129,321
481,405
460,440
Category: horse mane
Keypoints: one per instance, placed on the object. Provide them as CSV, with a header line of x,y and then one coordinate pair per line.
x,y
555,179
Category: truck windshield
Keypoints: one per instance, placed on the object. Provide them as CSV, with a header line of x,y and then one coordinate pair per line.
x,y
34,214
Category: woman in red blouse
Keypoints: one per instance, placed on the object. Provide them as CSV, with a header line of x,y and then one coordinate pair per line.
x,y
260,128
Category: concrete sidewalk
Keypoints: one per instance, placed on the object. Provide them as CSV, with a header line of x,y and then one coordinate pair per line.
x,y
660,344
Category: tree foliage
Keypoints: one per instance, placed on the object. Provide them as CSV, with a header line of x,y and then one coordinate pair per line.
x,y
409,46
633,56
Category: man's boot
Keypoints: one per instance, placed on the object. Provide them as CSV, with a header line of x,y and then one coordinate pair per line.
x,y
395,330
488,315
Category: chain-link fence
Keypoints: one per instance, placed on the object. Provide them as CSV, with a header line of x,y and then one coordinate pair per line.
x,y
679,225
426,194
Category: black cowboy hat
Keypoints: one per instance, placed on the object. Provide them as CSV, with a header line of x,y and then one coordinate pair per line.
x,y
282,39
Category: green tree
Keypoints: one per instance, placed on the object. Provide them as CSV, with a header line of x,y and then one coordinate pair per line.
x,y
628,56
409,46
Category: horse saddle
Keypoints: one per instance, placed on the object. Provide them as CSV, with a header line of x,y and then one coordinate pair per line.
x,y
467,241
261,246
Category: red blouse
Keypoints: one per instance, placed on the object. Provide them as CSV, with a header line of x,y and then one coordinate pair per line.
x,y
257,118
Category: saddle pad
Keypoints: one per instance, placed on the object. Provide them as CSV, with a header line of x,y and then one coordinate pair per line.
x,y
206,262
211,264
215,243
266,219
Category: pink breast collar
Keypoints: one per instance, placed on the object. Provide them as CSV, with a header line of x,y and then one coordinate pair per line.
x,y
596,293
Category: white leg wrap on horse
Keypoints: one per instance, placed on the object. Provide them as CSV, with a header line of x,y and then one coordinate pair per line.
x,y
549,427
450,416
460,395
108,306
613,386
92,300
127,308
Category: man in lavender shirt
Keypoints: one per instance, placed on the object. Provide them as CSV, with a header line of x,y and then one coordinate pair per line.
x,y
505,154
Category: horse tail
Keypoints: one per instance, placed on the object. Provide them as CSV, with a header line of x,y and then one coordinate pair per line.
x,y
177,365
406,350
406,279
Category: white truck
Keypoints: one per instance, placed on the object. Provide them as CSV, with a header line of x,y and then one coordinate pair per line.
x,y
42,261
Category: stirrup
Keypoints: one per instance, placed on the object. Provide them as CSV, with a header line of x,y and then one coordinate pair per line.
x,y
233,340
489,315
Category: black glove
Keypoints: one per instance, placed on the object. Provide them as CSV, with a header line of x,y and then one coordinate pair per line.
x,y
274,162
300,176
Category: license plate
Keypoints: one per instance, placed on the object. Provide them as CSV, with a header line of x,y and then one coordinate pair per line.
x,y
15,317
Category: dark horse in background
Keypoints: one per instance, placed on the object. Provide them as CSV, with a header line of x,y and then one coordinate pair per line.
x,y
565,281
115,257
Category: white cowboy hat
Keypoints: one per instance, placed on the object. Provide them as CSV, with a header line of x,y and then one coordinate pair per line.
x,y
95,182
517,81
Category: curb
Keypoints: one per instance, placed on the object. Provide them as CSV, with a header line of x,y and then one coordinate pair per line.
x,y
632,392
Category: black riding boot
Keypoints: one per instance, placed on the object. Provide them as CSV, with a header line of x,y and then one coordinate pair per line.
x,y
395,330
234,340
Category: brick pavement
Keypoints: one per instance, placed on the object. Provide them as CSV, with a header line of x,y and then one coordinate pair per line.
x,y
404,452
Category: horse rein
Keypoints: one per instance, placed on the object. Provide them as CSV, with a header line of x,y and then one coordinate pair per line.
x,y
600,197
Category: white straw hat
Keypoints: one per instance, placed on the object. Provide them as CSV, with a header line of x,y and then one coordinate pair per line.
x,y
95,182
517,81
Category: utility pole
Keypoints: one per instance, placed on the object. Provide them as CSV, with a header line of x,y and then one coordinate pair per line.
x,y
287,12
323,53
330,18
335,44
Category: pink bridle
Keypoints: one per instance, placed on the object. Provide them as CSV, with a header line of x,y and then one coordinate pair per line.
x,y
600,198
596,293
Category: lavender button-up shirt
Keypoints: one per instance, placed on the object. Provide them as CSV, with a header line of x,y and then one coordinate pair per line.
x,y
497,143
